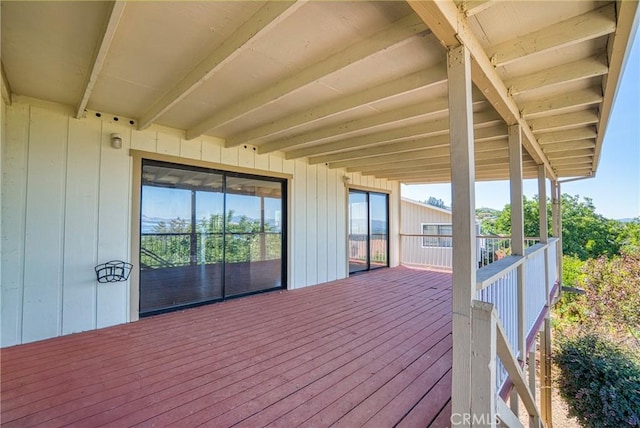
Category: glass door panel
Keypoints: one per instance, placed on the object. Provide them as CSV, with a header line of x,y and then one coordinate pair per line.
x,y
358,232
179,264
253,234
368,230
379,227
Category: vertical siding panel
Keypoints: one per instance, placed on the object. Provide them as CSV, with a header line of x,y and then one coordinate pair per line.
x,y
323,231
113,226
81,208
312,225
146,140
261,161
44,222
210,150
341,229
275,163
246,157
14,193
332,225
299,237
289,166
229,156
191,149
168,143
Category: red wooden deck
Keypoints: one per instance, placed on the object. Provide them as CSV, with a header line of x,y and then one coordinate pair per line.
x,y
372,350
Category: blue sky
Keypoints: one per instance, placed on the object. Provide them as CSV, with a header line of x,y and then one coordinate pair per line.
x,y
616,188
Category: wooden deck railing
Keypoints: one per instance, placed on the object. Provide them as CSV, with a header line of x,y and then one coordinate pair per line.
x,y
435,251
499,313
507,316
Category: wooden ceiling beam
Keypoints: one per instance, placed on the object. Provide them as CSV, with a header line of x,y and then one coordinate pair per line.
x,y
569,145
557,163
6,88
450,26
394,116
396,34
420,80
443,177
570,135
386,149
436,127
396,171
570,154
100,54
481,135
418,156
402,175
405,165
574,170
557,104
473,7
593,24
564,121
265,19
565,73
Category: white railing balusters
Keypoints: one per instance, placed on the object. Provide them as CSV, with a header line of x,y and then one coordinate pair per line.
x,y
497,285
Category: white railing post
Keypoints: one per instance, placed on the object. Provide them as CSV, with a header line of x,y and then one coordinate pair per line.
x,y
464,227
483,365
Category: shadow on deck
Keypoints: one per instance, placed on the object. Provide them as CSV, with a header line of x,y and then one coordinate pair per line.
x,y
373,349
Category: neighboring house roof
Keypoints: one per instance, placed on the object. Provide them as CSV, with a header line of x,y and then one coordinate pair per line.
x,y
422,204
431,207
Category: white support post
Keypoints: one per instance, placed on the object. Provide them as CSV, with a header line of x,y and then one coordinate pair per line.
x,y
532,371
517,240
464,234
545,374
542,204
556,222
544,227
533,422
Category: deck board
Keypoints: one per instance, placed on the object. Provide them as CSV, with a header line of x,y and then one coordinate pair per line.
x,y
372,350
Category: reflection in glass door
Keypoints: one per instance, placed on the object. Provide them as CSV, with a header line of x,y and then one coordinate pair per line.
x,y
206,235
379,230
368,230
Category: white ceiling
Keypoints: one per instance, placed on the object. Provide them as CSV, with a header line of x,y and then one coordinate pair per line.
x,y
342,83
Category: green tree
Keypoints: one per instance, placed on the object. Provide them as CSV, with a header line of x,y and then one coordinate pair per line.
x,y
629,237
585,233
531,218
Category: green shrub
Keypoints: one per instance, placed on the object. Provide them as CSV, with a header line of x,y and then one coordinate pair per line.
x,y
599,382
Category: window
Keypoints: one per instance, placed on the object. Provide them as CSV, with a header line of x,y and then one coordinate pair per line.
x,y
433,230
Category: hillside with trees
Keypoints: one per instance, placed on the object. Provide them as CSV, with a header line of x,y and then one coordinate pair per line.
x,y
598,330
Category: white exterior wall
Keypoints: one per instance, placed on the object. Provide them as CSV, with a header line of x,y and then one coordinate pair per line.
x,y
67,202
414,214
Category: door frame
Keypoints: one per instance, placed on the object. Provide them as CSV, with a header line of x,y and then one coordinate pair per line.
x,y
367,191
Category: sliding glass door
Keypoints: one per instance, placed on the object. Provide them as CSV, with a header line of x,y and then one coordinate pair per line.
x,y
368,230
206,235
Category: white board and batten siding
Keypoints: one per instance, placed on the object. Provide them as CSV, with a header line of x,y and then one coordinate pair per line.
x,y
67,203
